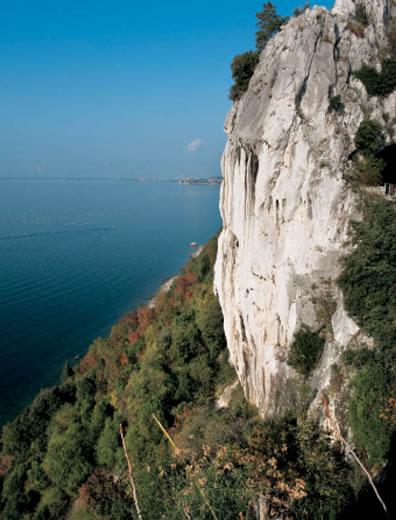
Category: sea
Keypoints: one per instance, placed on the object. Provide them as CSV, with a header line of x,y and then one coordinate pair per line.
x,y
75,255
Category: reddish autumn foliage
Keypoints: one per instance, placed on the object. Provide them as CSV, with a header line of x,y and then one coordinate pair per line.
x,y
181,285
133,337
145,317
179,419
131,319
184,286
124,359
5,462
87,362
83,496
190,277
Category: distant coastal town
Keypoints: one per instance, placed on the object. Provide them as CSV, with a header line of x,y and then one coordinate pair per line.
x,y
188,180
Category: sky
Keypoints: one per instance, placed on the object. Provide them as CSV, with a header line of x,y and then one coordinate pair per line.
x,y
116,88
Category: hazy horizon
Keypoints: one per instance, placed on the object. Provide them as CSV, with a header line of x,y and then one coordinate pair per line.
x,y
131,90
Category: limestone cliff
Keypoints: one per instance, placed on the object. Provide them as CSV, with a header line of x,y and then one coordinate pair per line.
x,y
285,203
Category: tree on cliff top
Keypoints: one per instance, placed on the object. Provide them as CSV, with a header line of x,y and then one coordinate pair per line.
x,y
243,65
268,25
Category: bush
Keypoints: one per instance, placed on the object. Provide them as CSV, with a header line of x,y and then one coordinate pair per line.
x,y
378,83
357,358
53,504
33,422
369,424
305,350
369,141
368,282
107,449
67,461
242,69
106,496
370,171
369,138
368,279
16,501
335,103
297,11
361,15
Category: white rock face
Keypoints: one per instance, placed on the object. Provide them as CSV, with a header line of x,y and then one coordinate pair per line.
x,y
285,204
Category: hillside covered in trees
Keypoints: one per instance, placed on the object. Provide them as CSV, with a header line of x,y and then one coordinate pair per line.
x,y
159,375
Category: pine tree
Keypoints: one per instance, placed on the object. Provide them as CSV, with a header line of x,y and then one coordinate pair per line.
x,y
268,25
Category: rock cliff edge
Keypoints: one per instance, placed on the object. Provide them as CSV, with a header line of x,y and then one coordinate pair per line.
x,y
285,201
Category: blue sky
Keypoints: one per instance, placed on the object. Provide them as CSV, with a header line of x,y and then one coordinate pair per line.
x,y
119,88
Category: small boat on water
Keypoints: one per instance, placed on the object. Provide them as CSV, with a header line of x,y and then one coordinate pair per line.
x,y
193,244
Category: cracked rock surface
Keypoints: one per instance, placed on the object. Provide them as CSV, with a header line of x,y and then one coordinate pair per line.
x,y
285,203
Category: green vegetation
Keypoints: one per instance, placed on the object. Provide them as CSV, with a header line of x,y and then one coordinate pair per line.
x,y
242,68
269,23
297,11
335,103
369,276
62,458
369,138
369,141
361,15
368,281
369,171
378,83
305,350
243,65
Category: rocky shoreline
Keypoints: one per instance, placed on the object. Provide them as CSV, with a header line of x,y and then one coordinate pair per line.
x,y
165,286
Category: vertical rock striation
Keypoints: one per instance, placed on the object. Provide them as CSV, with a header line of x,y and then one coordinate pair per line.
x,y
285,203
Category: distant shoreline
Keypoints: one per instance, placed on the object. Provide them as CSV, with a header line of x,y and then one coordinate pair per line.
x,y
191,181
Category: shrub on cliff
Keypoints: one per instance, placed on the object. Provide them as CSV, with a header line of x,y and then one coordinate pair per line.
x,y
367,411
361,15
335,103
369,141
305,350
368,282
368,279
242,68
298,11
378,83
369,138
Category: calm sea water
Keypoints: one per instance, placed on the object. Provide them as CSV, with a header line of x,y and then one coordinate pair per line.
x,y
74,257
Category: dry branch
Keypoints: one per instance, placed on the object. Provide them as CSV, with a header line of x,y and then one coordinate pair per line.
x,y
130,475
334,426
177,453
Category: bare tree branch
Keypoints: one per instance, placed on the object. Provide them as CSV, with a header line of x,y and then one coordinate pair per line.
x,y
130,475
177,453
335,427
